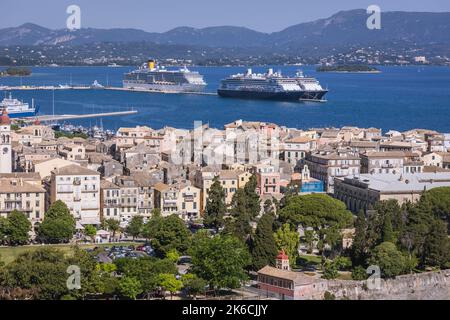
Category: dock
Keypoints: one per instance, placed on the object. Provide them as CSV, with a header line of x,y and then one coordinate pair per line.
x,y
59,88
52,118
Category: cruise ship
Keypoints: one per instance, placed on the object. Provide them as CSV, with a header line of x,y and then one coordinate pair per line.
x,y
18,109
154,78
273,86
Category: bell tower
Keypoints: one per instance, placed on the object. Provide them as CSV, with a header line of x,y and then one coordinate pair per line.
x,y
282,261
5,143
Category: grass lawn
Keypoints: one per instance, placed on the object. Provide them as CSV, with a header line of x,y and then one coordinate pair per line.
x,y
309,259
8,254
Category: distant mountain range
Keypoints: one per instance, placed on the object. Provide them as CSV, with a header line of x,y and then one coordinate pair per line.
x,y
343,28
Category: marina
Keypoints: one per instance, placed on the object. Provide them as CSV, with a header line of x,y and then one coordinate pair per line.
x,y
360,99
62,88
64,117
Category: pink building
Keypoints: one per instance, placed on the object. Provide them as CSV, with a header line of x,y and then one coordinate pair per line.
x,y
284,284
268,179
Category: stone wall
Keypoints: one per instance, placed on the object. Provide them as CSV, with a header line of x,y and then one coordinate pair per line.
x,y
423,286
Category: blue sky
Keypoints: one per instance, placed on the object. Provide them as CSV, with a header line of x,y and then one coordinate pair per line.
x,y
163,15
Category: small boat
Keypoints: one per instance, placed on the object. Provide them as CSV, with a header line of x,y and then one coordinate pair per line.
x,y
96,85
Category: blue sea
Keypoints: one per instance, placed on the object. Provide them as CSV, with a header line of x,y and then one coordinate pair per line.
x,y
399,98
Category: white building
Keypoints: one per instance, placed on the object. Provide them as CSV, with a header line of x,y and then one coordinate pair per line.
x,y
79,189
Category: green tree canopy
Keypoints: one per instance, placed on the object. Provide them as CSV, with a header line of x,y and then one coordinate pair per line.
x,y
219,260
58,225
390,260
146,270
215,208
170,283
320,212
263,246
135,227
43,270
130,287
18,228
171,234
113,226
287,239
437,245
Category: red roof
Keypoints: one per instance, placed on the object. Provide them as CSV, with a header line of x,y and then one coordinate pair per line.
x,y
282,255
4,118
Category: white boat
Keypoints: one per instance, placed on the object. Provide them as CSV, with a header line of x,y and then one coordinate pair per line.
x,y
18,109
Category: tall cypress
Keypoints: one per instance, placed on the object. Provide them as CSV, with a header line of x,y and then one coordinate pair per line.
x,y
215,205
263,247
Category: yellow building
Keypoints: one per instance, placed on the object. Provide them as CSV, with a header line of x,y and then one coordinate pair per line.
x,y
182,199
25,196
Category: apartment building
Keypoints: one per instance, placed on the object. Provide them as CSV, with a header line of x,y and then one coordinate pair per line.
x,y
326,166
17,192
268,179
79,189
230,180
181,198
294,150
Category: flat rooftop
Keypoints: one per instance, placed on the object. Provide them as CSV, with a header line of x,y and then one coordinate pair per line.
x,y
388,182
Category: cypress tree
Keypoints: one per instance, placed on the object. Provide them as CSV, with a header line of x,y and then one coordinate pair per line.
x,y
252,198
263,248
215,205
388,232
359,246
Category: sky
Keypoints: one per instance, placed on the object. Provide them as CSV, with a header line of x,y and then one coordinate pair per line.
x,y
163,15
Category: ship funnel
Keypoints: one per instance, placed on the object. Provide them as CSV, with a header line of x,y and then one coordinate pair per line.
x,y
270,72
249,71
151,64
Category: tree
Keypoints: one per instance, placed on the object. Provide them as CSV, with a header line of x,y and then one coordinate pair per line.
x,y
437,245
170,283
263,246
152,225
359,249
171,234
287,239
146,270
310,238
330,270
193,284
359,273
18,228
58,225
90,280
390,260
42,271
219,260
252,202
215,208
239,225
3,230
388,232
130,287
90,231
135,226
438,199
113,226
173,255
321,212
